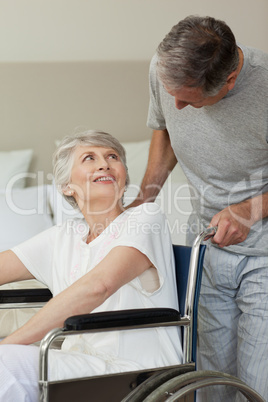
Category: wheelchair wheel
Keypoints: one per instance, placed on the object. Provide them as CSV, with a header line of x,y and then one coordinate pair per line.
x,y
153,382
184,385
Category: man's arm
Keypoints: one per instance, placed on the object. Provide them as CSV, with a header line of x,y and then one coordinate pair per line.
x,y
161,162
234,222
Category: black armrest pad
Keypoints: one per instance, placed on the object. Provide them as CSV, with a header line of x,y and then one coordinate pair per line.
x,y
123,318
25,295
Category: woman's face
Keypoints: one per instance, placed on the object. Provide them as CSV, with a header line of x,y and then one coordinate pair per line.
x,y
98,177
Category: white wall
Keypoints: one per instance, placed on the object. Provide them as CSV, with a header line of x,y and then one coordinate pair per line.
x,y
75,30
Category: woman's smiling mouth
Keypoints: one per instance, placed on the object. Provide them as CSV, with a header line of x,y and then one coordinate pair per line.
x,y
104,179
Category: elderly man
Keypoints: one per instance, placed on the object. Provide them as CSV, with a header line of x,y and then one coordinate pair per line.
x,y
209,111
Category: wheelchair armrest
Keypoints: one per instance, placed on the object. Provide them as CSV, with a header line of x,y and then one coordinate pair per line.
x,y
24,295
122,318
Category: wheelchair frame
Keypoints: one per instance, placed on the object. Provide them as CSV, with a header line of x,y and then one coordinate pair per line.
x,y
135,319
153,385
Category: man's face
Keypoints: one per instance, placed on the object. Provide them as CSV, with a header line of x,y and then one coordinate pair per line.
x,y
187,96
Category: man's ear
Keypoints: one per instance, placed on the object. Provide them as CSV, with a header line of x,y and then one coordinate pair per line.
x,y
231,80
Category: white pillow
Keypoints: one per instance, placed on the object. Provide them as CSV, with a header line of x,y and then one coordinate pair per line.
x,y
137,157
24,213
15,165
174,197
175,200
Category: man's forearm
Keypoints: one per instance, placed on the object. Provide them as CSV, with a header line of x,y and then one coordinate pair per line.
x,y
252,210
161,162
259,207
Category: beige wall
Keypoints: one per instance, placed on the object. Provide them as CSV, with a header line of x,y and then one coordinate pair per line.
x,y
42,102
71,63
75,30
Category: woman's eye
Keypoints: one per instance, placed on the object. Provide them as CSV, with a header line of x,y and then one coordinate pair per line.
x,y
113,156
88,158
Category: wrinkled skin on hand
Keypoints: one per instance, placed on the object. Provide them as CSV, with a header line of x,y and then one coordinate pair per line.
x,y
234,223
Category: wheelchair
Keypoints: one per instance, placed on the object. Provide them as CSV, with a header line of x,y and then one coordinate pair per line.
x,y
172,383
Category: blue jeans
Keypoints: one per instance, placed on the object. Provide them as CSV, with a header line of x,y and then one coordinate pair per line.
x,y
233,322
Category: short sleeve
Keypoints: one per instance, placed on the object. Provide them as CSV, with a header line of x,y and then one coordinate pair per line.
x,y
37,255
145,228
155,119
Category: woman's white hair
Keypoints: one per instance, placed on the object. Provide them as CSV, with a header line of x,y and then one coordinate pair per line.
x,y
63,157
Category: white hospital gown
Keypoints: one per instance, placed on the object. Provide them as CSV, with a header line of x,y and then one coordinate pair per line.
x,y
60,256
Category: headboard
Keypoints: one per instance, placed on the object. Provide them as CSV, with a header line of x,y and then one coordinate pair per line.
x,y
42,102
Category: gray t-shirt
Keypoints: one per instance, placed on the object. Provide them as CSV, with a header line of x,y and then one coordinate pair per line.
x,y
222,148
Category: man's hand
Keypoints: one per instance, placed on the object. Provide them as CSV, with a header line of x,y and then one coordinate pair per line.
x,y
234,223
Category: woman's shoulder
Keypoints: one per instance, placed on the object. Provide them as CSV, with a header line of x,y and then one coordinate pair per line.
x,y
146,207
148,211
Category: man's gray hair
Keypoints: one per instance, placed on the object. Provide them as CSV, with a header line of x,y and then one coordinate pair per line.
x,y
63,157
197,52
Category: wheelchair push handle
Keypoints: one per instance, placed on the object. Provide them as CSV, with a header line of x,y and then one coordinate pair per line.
x,y
209,232
205,235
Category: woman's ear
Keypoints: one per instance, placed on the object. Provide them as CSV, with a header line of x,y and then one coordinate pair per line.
x,y
68,191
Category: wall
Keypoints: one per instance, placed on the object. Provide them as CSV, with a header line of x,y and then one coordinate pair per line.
x,y
71,63
75,30
42,102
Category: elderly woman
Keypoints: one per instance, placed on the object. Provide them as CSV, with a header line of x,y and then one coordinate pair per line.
x,y
112,259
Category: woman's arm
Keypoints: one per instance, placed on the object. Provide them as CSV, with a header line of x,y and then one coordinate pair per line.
x,y
161,162
12,269
119,267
